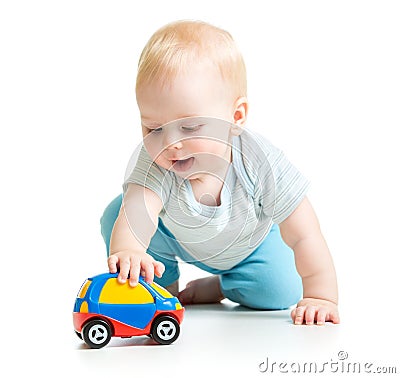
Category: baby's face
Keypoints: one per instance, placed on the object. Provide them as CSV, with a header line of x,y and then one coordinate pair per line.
x,y
187,125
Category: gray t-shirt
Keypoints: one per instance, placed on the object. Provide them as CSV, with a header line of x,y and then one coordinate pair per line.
x,y
261,187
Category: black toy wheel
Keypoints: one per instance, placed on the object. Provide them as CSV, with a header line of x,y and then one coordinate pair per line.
x,y
96,333
165,330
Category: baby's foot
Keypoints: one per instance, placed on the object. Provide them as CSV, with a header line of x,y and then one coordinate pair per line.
x,y
202,290
174,288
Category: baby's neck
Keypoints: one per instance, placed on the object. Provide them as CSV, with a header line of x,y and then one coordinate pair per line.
x,y
208,186
207,190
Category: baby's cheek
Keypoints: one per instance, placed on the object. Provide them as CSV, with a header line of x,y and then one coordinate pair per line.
x,y
163,163
153,150
201,146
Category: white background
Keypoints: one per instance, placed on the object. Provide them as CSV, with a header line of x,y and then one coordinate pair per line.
x,y
324,85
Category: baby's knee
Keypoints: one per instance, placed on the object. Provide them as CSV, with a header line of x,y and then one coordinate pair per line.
x,y
261,295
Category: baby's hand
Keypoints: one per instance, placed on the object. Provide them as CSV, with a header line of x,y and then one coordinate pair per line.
x,y
134,263
312,310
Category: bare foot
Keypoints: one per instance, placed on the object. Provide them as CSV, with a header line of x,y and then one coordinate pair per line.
x,y
173,288
202,290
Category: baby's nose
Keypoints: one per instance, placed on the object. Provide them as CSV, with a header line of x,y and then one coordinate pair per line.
x,y
172,139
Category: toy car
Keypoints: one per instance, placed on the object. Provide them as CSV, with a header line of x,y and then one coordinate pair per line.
x,y
106,308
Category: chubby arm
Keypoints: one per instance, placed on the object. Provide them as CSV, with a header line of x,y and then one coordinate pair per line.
x,y
136,224
301,232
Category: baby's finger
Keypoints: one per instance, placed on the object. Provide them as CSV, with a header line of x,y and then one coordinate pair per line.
x,y
334,317
310,315
321,316
299,315
112,263
148,271
124,265
159,269
293,314
134,271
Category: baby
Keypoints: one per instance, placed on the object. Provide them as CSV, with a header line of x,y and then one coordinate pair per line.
x,y
206,190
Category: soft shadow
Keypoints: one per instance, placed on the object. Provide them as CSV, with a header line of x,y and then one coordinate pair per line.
x,y
117,342
237,310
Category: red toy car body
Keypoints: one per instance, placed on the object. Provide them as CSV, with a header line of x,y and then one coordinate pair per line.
x,y
106,308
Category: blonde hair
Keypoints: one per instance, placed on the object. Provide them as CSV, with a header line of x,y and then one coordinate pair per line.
x,y
177,46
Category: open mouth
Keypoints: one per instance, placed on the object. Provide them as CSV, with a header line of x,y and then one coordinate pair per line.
x,y
182,165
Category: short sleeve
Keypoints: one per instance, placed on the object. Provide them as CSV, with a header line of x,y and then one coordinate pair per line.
x,y
280,186
148,174
290,188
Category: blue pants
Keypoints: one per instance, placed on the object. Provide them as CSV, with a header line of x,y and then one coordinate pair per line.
x,y
265,280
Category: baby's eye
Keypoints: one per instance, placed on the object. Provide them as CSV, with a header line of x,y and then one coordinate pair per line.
x,y
191,127
155,130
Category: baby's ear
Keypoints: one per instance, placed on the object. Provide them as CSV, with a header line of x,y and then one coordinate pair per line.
x,y
239,115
